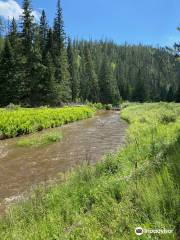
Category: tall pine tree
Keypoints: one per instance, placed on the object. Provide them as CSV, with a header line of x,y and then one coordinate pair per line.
x,y
109,92
43,30
62,77
178,94
8,80
27,37
73,70
90,78
139,91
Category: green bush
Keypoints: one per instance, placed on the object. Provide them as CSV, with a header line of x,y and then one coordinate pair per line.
x,y
108,106
97,106
28,120
167,117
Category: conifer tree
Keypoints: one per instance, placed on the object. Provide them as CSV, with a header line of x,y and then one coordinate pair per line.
x,y
50,42
38,70
170,94
139,92
178,94
43,30
73,70
8,78
62,76
82,93
177,48
27,36
90,78
44,70
13,34
59,34
27,19
109,92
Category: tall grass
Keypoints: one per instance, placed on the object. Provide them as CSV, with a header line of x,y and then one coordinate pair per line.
x,y
138,186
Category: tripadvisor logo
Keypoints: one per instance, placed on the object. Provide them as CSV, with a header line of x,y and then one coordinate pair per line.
x,y
139,231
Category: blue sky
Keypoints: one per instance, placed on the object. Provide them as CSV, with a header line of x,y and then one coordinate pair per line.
x,y
135,21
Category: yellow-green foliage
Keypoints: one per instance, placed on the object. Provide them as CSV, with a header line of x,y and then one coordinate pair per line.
x,y
28,120
138,186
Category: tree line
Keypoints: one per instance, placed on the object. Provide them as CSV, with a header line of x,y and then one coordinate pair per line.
x,y
39,66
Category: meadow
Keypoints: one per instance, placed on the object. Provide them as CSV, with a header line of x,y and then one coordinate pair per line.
x,y
137,186
21,121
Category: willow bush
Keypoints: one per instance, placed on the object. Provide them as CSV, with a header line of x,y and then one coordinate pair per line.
x,y
28,120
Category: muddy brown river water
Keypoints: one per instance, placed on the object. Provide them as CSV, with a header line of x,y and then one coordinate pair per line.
x,y
22,168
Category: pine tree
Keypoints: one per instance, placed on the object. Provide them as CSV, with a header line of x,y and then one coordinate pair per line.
x,y
38,71
43,30
73,70
177,48
62,76
8,78
109,92
50,85
11,69
27,27
170,95
90,78
50,42
13,34
44,70
82,93
163,93
27,36
178,94
139,92
59,34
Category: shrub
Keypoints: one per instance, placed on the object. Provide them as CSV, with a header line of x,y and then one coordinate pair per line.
x,y
167,117
97,106
28,120
108,106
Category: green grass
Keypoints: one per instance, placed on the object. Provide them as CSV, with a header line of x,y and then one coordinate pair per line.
x,y
39,139
138,186
21,121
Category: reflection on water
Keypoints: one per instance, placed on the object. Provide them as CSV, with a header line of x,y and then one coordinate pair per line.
x,y
21,168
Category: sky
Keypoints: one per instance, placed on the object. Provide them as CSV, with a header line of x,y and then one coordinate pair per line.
x,y
151,22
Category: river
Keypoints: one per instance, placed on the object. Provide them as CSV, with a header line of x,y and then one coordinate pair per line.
x,y
22,168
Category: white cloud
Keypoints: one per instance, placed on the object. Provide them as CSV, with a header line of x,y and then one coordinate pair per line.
x,y
10,9
36,15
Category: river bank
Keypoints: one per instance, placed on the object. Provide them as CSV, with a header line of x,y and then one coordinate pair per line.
x,y
82,141
137,186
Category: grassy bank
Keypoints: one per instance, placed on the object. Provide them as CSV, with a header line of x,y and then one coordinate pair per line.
x,y
138,186
22,121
